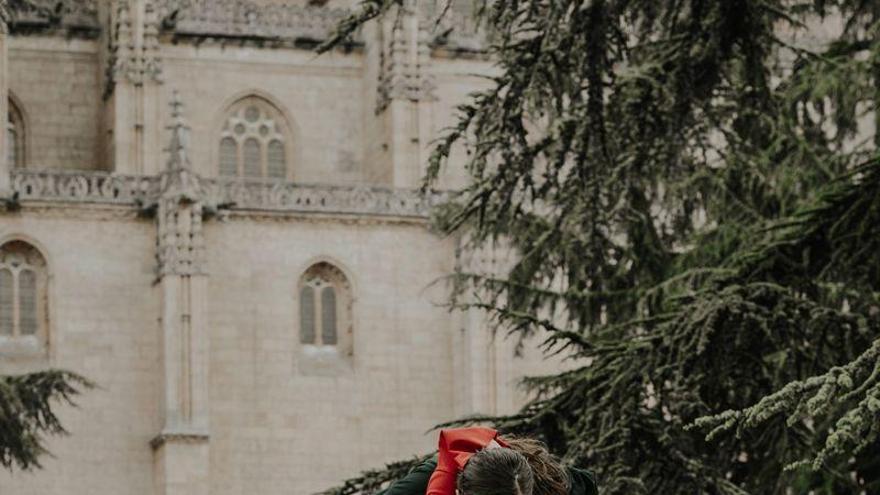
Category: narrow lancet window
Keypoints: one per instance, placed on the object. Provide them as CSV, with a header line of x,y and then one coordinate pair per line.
x,y
325,303
307,315
328,316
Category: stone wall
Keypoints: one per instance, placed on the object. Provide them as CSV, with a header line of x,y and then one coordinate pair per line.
x,y
57,85
280,421
103,325
279,415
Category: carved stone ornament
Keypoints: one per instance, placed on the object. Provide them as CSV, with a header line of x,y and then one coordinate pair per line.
x,y
181,243
83,187
249,19
403,74
263,195
4,17
38,16
150,60
133,58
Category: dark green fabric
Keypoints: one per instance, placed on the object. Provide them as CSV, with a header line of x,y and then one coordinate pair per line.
x,y
416,482
582,482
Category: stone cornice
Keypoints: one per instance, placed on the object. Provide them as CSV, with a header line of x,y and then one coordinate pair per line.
x,y
178,437
245,19
222,194
457,32
85,212
71,17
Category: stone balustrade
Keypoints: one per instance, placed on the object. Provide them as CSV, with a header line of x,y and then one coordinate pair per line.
x,y
82,187
225,193
266,195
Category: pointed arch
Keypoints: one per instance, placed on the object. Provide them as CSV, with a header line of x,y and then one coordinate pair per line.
x,y
255,139
24,297
325,300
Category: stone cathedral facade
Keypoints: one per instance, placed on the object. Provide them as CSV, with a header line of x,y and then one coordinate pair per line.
x,y
223,231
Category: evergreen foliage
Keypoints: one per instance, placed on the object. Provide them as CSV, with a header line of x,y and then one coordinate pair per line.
x,y
693,193
26,414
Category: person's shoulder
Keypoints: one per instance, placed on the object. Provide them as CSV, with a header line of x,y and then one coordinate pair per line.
x,y
426,466
583,482
415,482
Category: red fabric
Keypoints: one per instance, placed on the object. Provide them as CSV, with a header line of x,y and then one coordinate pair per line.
x,y
456,447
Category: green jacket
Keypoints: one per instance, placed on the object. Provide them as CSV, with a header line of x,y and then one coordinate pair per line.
x,y
416,482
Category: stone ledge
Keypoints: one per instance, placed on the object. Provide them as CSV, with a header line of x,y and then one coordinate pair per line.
x,y
179,436
67,17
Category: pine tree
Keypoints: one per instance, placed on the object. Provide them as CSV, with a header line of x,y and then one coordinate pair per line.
x,y
692,188
26,414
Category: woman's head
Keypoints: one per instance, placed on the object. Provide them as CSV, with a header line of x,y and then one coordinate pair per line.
x,y
550,476
524,468
496,472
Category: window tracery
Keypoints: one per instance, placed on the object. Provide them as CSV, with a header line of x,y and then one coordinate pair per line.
x,y
325,307
23,292
254,141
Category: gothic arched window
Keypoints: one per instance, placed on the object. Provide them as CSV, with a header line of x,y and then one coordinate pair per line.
x,y
254,141
325,307
23,292
15,136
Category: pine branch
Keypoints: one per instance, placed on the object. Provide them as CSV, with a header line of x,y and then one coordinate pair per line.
x,y
27,415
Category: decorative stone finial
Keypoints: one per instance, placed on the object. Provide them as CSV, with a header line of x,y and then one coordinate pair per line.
x,y
152,62
4,17
178,157
179,181
180,205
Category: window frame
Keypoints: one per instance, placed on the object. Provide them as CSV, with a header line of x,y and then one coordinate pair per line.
x,y
18,256
319,277
318,285
268,126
